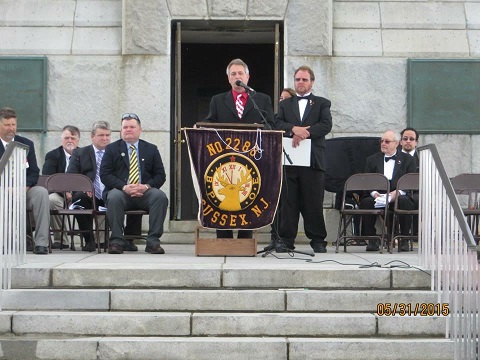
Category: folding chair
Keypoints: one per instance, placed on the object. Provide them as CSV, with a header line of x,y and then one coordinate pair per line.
x,y
67,182
361,183
467,188
410,184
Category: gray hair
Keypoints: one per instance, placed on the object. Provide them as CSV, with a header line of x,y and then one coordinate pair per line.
x,y
100,125
237,62
72,129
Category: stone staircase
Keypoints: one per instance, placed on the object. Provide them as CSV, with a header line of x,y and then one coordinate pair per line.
x,y
224,308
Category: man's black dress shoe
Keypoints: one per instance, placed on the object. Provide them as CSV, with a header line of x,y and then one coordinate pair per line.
x,y
90,246
373,245
41,250
319,248
58,245
115,249
156,249
130,246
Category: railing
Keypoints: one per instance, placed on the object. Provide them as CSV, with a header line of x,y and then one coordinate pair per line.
x,y
13,211
447,248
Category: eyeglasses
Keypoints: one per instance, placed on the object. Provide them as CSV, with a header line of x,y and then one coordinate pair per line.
x,y
130,116
386,141
406,138
302,79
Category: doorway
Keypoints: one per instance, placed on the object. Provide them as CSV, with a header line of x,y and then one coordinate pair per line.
x,y
200,60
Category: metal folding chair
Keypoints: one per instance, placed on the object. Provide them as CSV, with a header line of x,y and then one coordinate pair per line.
x,y
68,182
467,188
410,184
361,183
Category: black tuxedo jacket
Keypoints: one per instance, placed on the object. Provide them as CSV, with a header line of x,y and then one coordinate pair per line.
x,y
223,110
116,164
317,115
83,161
55,162
33,171
403,164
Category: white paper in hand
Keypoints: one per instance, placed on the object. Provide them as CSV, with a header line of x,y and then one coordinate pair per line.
x,y
381,201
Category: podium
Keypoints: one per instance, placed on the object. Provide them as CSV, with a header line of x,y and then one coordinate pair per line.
x,y
237,174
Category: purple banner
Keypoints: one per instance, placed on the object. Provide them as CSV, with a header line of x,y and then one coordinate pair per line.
x,y
237,175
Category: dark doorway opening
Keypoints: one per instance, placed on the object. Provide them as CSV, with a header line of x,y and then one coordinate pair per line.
x,y
203,74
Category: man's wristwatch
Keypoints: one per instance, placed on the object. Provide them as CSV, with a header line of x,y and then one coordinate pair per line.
x,y
147,187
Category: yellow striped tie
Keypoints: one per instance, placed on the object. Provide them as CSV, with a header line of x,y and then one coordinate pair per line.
x,y
134,174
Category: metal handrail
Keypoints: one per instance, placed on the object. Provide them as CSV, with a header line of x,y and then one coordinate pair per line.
x,y
448,249
13,181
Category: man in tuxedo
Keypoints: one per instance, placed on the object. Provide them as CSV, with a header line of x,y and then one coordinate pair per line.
x,y
37,196
237,106
393,164
132,172
409,142
304,116
56,161
84,161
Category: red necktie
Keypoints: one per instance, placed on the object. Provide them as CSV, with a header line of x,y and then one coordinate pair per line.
x,y
239,105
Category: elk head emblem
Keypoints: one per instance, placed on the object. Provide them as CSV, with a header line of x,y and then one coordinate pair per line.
x,y
231,191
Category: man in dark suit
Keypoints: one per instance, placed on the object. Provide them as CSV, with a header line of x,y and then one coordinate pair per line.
x,y
84,161
56,161
393,164
37,196
409,142
132,172
237,106
303,117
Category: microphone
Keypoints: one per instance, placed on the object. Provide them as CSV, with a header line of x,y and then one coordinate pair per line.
x,y
245,86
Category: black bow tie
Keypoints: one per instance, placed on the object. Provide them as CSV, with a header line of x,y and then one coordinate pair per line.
x,y
390,158
303,97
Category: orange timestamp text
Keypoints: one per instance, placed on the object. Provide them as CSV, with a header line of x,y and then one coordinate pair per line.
x,y
413,309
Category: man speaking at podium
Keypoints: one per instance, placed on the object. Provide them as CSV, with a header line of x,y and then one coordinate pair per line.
x,y
236,106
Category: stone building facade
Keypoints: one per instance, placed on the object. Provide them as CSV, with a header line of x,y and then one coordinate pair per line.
x,y
106,57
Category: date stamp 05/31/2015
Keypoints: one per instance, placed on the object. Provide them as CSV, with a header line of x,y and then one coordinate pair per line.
x,y
413,309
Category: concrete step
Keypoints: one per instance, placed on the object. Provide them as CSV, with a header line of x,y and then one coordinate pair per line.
x,y
214,275
283,300
231,348
74,323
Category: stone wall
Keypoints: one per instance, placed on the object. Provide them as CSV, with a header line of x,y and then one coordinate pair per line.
x,y
111,56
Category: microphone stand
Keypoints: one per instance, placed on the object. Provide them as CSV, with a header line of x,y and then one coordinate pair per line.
x,y
268,249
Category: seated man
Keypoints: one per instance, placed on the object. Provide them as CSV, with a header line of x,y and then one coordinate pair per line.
x,y
393,164
56,162
86,161
132,172
37,196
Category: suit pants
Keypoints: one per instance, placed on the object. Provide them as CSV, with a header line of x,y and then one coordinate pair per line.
x,y
39,204
302,193
85,222
228,234
154,201
405,202
56,203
